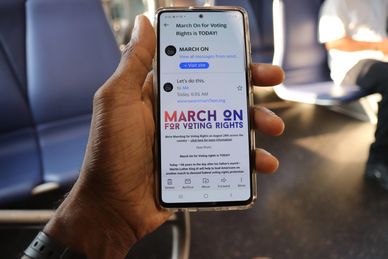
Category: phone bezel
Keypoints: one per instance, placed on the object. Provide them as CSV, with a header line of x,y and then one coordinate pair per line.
x,y
219,205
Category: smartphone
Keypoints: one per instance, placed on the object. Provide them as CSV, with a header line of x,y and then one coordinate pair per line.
x,y
205,144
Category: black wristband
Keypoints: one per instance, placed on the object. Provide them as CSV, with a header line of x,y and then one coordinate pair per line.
x,y
43,247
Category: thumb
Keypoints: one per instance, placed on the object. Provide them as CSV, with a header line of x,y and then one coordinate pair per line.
x,y
136,60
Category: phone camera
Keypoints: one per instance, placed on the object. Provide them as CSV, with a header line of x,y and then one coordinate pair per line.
x,y
200,16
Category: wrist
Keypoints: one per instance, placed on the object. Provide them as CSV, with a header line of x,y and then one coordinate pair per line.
x,y
89,228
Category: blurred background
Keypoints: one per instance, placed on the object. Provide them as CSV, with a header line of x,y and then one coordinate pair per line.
x,y
54,54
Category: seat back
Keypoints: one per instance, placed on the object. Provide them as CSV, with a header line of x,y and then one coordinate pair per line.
x,y
297,48
263,12
260,26
20,167
12,38
14,113
71,51
13,104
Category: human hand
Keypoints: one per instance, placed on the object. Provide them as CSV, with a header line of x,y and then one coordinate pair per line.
x,y
112,204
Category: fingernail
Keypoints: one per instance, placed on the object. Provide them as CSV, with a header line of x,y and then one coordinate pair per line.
x,y
137,18
270,112
265,152
136,30
266,110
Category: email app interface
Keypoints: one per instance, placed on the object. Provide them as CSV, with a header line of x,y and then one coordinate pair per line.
x,y
204,123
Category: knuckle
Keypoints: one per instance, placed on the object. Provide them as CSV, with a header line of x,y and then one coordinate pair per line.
x,y
128,50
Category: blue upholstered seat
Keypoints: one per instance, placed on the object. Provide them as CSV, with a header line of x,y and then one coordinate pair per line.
x,y
71,52
260,26
20,168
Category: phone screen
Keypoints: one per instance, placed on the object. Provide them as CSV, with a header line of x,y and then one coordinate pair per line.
x,y
203,109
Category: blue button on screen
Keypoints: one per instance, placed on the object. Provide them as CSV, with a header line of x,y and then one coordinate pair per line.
x,y
194,65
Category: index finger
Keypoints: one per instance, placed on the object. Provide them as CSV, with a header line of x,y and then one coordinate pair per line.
x,y
266,74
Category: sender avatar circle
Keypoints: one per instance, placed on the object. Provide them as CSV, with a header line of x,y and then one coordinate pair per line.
x,y
170,50
168,87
